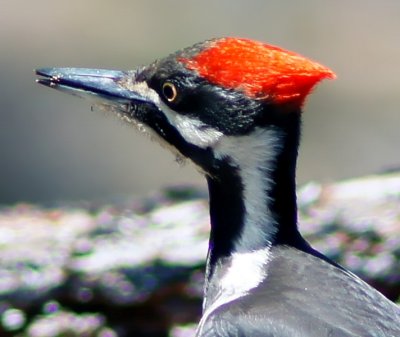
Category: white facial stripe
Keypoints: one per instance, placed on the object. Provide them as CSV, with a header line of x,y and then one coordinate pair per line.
x,y
142,89
254,156
192,129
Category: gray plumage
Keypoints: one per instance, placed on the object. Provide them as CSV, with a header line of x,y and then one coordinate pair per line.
x,y
304,295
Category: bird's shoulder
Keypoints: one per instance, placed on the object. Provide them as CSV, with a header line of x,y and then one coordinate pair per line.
x,y
304,295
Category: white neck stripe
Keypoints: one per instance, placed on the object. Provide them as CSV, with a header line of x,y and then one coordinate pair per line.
x,y
246,272
254,155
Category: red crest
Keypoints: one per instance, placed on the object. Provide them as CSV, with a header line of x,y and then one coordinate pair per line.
x,y
262,71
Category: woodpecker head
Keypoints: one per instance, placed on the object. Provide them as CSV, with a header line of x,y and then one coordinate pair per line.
x,y
198,99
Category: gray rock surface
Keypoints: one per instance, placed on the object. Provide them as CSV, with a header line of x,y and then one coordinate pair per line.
x,y
135,268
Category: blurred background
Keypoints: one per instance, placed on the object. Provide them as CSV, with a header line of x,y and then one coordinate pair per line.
x,y
53,147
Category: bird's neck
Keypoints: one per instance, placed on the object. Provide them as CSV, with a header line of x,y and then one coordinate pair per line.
x,y
253,196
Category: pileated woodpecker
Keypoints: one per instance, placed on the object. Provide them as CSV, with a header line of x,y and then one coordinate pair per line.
x,y
233,107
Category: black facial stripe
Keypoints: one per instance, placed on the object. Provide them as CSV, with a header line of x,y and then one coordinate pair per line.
x,y
156,120
225,110
228,111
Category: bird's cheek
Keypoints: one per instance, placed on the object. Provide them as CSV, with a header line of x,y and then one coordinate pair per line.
x,y
193,130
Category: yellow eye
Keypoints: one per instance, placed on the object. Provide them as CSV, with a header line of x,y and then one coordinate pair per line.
x,y
169,91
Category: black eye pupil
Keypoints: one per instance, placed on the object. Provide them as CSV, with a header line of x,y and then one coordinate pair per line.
x,y
169,91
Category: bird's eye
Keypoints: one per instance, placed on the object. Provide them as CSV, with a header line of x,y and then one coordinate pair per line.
x,y
169,91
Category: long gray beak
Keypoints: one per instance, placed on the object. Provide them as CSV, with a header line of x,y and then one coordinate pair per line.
x,y
99,85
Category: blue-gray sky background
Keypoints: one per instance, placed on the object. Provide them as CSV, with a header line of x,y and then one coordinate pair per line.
x,y
52,147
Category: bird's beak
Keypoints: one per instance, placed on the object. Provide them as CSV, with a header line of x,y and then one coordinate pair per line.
x,y
105,87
